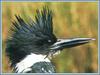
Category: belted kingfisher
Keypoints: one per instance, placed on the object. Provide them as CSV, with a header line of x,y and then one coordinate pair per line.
x,y
30,44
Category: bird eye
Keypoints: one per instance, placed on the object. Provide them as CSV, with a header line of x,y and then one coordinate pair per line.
x,y
49,40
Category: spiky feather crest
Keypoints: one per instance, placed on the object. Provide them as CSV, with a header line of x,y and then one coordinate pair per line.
x,y
34,37
43,23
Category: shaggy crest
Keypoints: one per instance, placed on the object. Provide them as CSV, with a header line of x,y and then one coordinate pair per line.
x,y
30,37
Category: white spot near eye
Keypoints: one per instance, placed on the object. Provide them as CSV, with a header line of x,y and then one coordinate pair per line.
x,y
49,40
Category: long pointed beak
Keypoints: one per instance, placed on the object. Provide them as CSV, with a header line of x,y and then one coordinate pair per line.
x,y
69,43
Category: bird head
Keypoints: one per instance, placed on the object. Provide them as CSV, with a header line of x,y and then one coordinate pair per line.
x,y
37,37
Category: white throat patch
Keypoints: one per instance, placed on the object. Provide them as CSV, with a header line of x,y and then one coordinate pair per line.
x,y
28,61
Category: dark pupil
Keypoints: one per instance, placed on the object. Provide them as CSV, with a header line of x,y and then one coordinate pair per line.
x,y
42,42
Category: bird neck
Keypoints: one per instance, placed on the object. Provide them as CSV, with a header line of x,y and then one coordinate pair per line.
x,y
29,61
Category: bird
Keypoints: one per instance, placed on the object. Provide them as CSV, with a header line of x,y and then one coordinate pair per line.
x,y
30,44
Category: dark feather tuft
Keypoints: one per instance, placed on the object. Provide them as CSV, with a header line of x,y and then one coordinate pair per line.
x,y
27,38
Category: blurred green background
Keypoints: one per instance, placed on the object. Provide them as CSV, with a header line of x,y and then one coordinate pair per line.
x,y
71,19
